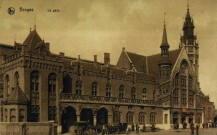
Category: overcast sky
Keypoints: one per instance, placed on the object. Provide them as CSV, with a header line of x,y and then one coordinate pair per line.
x,y
89,27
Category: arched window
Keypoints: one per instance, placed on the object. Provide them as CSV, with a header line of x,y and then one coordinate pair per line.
x,y
52,96
78,87
108,90
116,117
121,91
94,89
16,79
144,93
129,117
7,86
133,93
142,117
152,118
34,97
21,115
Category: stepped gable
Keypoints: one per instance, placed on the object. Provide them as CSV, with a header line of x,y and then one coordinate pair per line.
x,y
149,65
17,97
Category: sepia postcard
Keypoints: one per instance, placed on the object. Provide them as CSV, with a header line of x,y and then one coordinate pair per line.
x,y
97,67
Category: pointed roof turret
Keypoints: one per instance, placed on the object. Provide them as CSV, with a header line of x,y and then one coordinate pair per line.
x,y
17,97
32,40
164,39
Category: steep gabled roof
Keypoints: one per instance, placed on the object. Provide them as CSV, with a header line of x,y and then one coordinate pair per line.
x,y
17,97
149,64
139,61
32,40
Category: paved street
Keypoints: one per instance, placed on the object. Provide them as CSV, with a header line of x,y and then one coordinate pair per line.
x,y
209,131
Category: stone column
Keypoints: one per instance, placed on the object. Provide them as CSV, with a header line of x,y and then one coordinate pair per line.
x,y
194,118
17,111
94,120
78,118
110,119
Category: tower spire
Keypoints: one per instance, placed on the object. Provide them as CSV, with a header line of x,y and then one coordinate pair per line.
x,y
188,12
34,23
164,38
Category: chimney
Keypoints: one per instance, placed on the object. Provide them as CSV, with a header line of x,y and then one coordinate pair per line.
x,y
48,46
95,58
61,54
23,49
106,58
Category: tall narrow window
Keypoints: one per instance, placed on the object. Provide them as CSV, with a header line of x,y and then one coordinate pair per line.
x,y
6,115
13,115
16,79
133,93
152,118
94,89
165,118
78,87
176,96
7,85
191,98
144,93
52,97
183,96
121,91
116,117
21,115
141,117
67,84
129,117
34,97
183,81
190,82
108,90
177,80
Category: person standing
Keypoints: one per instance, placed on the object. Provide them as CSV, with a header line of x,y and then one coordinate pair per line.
x,y
197,129
192,129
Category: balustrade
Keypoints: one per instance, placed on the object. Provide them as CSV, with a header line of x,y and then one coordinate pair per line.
x,y
66,97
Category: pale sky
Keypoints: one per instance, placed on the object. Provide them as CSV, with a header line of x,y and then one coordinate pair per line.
x,y
89,27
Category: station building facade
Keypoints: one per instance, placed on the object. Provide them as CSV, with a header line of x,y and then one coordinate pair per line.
x,y
162,89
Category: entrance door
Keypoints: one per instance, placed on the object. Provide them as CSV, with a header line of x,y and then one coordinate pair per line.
x,y
68,119
102,116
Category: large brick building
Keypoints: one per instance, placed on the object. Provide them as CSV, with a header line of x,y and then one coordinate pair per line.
x,y
161,89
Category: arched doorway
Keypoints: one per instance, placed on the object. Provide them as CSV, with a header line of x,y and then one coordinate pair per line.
x,y
102,116
68,119
87,115
175,118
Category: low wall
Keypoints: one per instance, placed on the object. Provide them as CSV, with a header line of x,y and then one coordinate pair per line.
x,y
28,128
